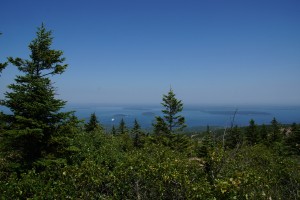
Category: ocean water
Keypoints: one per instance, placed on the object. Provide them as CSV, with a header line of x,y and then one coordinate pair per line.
x,y
195,116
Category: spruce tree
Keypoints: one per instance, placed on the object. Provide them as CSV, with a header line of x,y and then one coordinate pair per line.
x,y
263,134
207,143
93,124
275,131
137,135
35,110
122,129
136,126
160,128
171,120
251,133
2,66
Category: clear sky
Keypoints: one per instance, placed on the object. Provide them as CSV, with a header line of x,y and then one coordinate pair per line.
x,y
131,51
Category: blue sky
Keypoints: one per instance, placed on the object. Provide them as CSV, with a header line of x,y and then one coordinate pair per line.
x,y
131,51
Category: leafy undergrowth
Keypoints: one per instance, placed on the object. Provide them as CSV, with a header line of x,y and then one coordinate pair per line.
x,y
104,169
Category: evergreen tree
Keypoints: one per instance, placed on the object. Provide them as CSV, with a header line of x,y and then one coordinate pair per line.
x,y
170,120
93,124
207,143
113,130
275,131
126,140
122,129
251,133
136,126
263,136
35,110
2,66
160,127
137,134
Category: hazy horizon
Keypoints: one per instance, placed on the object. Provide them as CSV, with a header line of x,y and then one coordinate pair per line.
x,y
185,105
195,115
131,52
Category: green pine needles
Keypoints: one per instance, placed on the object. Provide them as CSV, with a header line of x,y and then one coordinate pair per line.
x,y
36,115
93,124
171,121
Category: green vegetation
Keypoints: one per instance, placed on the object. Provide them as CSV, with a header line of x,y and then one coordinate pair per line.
x,y
170,122
33,132
49,154
93,124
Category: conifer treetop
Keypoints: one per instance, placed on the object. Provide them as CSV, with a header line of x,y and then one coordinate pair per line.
x,y
43,60
171,120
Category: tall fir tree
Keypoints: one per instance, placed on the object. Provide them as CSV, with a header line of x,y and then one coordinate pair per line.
x,y
275,131
138,135
171,121
35,110
207,143
122,129
160,127
263,134
251,133
93,124
136,126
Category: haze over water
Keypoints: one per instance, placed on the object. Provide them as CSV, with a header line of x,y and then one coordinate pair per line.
x,y
195,115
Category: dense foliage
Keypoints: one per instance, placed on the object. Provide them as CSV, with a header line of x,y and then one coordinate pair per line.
x,y
48,154
32,133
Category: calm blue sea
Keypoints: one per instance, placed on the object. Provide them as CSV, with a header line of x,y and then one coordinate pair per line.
x,y
195,115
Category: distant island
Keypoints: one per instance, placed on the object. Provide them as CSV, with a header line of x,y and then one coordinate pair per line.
x,y
148,114
238,112
120,115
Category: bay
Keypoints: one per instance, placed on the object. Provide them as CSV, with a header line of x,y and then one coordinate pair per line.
x,y
195,115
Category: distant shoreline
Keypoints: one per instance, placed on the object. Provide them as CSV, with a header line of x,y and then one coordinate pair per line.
x,y
196,115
